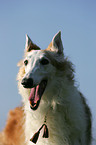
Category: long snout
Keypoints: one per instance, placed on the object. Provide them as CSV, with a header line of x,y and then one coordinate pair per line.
x,y
27,82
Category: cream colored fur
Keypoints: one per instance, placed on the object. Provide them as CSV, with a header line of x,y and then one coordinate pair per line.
x,y
61,101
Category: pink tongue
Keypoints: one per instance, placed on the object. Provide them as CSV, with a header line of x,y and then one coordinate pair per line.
x,y
34,95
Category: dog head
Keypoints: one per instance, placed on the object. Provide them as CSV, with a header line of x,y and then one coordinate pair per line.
x,y
40,67
41,64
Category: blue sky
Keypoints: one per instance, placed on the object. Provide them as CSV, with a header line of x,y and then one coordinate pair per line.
x,y
41,20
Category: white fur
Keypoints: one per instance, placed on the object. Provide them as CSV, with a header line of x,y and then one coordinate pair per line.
x,y
61,102
65,102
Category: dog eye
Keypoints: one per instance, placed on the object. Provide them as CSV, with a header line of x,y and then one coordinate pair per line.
x,y
26,62
44,61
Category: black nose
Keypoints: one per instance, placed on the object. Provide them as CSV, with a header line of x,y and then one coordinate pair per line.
x,y
27,83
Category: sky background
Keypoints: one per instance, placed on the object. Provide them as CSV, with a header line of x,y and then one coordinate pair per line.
x,y
41,20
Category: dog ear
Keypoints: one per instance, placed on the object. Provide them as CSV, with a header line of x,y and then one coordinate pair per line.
x,y
30,45
57,43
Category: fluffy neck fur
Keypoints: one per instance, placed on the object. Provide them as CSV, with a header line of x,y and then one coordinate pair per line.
x,y
62,113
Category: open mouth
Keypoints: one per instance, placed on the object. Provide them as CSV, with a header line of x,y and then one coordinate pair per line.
x,y
36,94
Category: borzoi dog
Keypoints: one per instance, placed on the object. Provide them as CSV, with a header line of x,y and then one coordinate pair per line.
x,y
54,112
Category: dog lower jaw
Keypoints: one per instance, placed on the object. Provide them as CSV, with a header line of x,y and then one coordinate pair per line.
x,y
35,106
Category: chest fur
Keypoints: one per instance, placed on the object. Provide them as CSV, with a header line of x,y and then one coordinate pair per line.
x,y
60,124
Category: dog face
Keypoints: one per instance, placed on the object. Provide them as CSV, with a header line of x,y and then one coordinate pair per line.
x,y
37,68
40,67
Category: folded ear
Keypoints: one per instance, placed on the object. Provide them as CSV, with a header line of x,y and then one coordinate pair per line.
x,y
57,43
30,45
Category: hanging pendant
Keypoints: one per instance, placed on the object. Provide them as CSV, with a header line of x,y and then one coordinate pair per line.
x,y
45,133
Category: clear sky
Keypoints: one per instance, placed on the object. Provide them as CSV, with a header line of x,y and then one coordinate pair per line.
x,y
41,19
